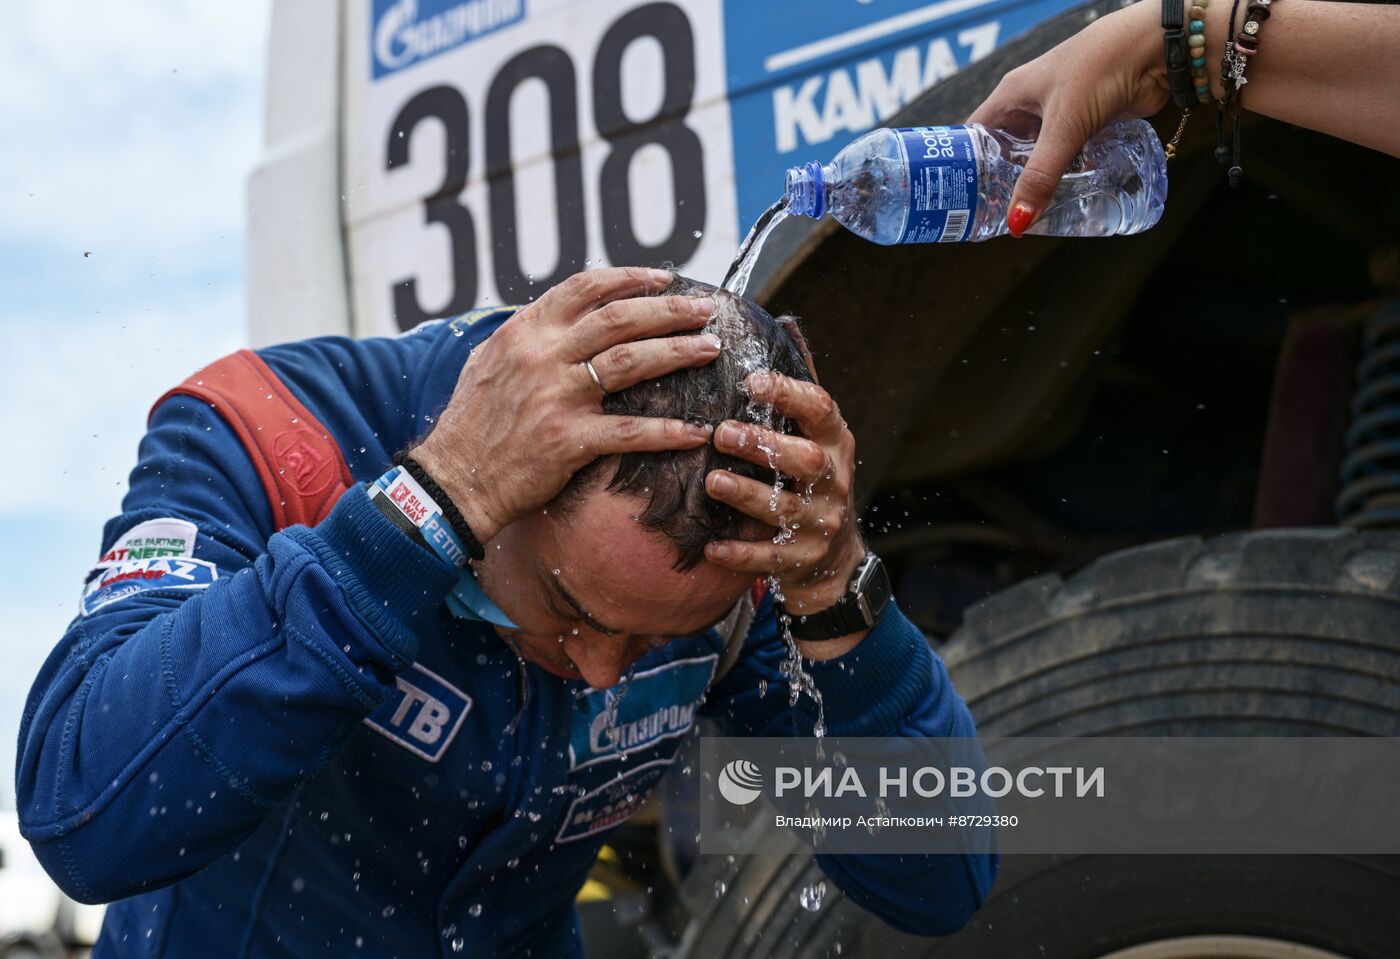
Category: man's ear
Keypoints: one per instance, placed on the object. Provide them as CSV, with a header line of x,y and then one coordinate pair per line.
x,y
794,330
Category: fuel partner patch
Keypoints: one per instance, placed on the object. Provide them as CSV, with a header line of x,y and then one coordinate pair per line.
x,y
162,538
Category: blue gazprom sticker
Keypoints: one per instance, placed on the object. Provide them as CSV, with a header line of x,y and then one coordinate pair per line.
x,y
120,580
654,705
942,163
406,32
613,802
424,714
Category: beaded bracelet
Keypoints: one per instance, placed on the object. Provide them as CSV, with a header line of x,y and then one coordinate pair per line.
x,y
1197,40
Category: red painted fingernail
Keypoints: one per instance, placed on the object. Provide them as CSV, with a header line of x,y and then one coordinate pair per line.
x,y
724,484
1019,218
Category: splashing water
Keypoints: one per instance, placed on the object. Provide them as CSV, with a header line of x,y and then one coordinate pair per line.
x,y
614,704
799,680
736,281
751,356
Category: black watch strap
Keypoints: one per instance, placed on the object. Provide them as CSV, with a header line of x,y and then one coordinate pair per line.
x,y
860,609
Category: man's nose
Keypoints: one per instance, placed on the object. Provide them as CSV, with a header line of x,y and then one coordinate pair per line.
x,y
602,661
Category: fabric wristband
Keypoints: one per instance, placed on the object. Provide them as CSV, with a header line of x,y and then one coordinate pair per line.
x,y
402,498
1178,51
449,511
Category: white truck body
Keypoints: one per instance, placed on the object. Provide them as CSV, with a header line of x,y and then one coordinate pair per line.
x,y
424,157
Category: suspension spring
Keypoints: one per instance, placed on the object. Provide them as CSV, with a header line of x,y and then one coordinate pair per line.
x,y
1370,476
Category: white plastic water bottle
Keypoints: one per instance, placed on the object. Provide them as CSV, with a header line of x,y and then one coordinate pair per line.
x,y
953,183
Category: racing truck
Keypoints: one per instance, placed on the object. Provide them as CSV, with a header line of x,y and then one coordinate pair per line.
x,y
1143,486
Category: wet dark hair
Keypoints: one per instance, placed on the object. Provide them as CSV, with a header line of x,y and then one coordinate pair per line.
x,y
673,483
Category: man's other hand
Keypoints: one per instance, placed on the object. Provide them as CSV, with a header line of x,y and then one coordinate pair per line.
x,y
526,413
818,546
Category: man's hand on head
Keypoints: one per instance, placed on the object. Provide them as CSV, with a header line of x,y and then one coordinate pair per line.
x,y
813,564
526,413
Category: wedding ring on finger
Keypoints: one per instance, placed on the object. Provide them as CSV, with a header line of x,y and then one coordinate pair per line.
x,y
588,365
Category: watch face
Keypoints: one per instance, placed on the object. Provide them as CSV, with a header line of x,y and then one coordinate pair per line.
x,y
865,614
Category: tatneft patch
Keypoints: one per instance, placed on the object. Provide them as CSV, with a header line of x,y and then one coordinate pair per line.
x,y
162,538
118,581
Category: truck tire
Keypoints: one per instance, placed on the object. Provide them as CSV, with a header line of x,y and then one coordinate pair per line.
x,y
1278,633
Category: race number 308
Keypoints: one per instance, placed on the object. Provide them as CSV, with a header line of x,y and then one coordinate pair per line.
x,y
663,24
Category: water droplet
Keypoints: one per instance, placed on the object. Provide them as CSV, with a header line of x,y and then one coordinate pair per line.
x,y
697,233
387,912
458,944
811,896
474,910
720,887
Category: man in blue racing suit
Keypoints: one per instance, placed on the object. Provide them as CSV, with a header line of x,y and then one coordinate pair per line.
x,y
397,726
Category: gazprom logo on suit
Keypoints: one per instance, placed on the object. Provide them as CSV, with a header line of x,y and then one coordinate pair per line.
x,y
424,715
655,704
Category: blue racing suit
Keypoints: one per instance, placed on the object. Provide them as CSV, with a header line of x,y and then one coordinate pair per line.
x,y
284,745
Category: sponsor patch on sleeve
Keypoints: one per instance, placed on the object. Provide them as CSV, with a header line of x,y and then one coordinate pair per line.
x,y
163,538
424,716
120,580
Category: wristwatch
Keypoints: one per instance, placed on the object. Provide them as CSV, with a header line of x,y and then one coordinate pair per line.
x,y
860,609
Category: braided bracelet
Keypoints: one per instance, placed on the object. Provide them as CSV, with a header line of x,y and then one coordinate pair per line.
x,y
1242,46
1238,49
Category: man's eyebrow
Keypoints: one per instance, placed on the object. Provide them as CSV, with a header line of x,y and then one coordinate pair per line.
x,y
583,614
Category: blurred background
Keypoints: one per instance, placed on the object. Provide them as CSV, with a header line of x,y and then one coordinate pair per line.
x,y
130,131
